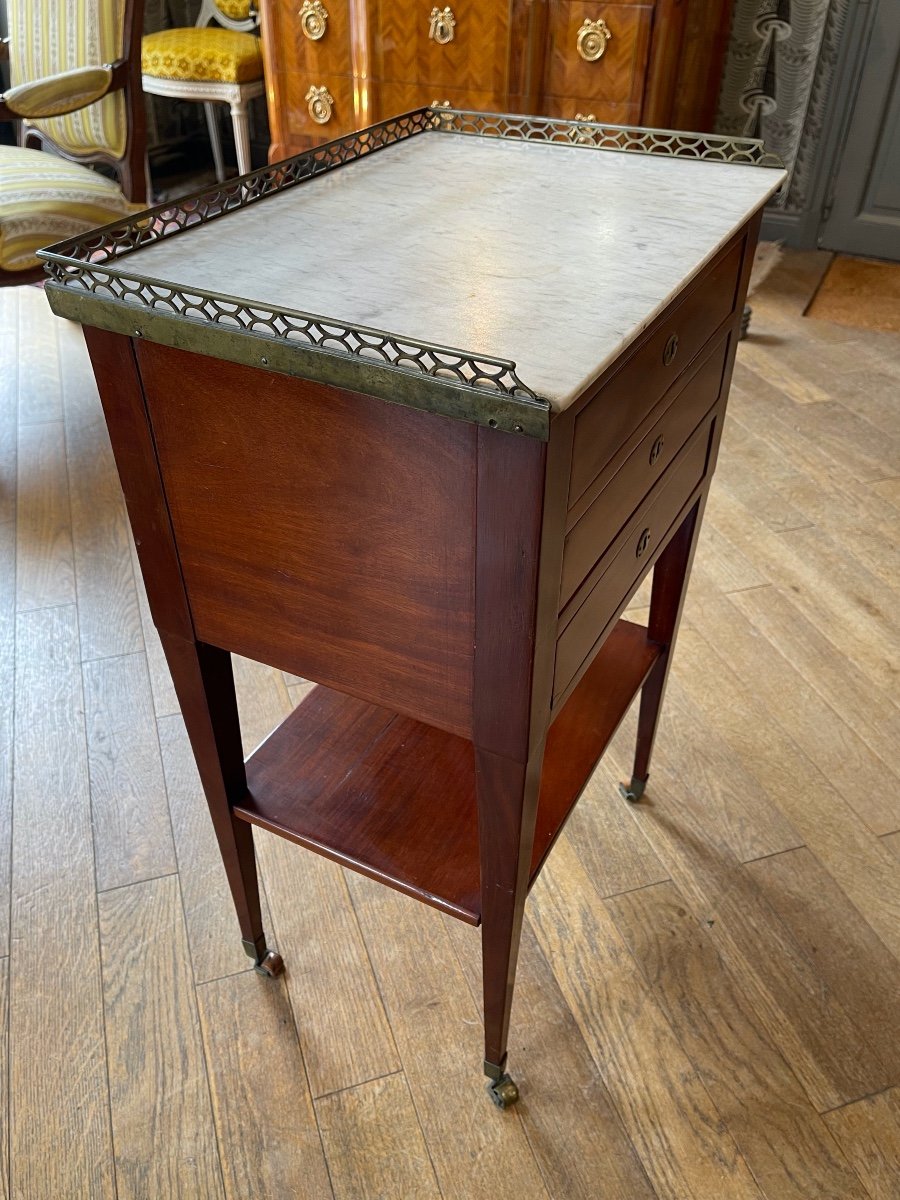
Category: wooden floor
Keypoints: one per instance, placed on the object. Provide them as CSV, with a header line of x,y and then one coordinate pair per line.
x,y
708,993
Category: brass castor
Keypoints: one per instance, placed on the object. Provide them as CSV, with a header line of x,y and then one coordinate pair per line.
x,y
633,791
270,965
503,1092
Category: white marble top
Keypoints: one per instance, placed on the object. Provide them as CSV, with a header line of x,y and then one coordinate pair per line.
x,y
555,257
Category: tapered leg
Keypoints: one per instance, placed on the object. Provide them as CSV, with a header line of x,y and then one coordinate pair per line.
x,y
670,575
507,794
215,139
205,687
241,122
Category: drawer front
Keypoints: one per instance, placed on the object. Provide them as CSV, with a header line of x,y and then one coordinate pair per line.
x,y
577,108
619,33
394,98
616,412
314,36
627,561
328,97
623,487
463,44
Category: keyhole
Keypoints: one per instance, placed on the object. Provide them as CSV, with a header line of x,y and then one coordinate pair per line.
x,y
643,543
656,450
671,349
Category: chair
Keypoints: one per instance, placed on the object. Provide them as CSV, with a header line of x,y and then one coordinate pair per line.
x,y
211,64
76,88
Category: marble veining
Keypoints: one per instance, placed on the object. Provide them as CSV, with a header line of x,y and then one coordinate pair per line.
x,y
552,256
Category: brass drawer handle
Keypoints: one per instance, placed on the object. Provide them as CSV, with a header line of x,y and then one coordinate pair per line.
x,y
313,19
642,544
656,449
440,104
671,349
441,26
579,134
592,39
320,103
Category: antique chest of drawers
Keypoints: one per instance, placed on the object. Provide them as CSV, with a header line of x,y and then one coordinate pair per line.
x,y
412,415
336,65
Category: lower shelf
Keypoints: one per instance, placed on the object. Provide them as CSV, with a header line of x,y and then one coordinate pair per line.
x,y
395,799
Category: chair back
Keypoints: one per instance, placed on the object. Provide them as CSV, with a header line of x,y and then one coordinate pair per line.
x,y
232,14
50,36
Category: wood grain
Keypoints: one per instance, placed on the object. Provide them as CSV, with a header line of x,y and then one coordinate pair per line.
x,y
7,710
438,1032
45,572
678,1134
619,73
108,616
374,1144
9,402
344,1033
267,1134
786,1146
571,1124
40,399
850,957
212,927
165,702
869,1132
4,1078
58,1083
162,1119
132,830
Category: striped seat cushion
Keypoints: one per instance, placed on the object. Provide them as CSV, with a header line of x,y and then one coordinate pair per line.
x,y
44,199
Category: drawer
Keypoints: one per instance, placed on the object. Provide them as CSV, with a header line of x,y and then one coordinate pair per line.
x,y
627,561
618,74
301,52
474,58
576,108
616,412
332,99
623,487
394,98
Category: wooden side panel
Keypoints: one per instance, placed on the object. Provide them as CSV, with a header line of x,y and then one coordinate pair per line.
x,y
325,533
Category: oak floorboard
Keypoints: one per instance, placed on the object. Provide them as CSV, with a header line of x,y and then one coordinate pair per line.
x,y
132,831
842,685
9,402
263,700
45,570
476,1149
268,1139
573,1128
40,385
680,1137
165,702
7,712
854,857
4,1078
888,489
752,471
59,1097
108,616
344,1033
789,1150
212,926
161,1113
892,841
374,1144
820,1040
869,1132
859,970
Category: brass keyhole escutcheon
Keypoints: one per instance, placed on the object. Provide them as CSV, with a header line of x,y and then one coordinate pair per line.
x,y
441,25
313,19
656,449
592,39
320,103
643,543
671,349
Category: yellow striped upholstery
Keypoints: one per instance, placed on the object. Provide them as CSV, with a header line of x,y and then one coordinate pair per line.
x,y
58,93
222,55
49,36
44,198
237,10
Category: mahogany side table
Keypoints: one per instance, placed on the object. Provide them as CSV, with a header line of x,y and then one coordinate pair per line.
x,y
412,415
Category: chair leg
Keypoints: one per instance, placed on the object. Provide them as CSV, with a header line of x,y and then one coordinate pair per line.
x,y
241,122
215,139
